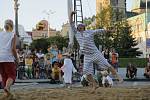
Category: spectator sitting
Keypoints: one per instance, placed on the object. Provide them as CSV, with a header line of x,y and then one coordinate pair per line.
x,y
35,67
47,67
42,68
147,71
131,71
56,72
28,68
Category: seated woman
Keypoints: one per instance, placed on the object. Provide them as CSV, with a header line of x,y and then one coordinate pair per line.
x,y
56,72
147,71
131,71
36,68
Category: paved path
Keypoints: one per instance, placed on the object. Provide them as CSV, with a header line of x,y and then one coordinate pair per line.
x,y
44,83
121,71
140,72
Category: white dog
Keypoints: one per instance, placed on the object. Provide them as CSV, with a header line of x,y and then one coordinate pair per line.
x,y
106,79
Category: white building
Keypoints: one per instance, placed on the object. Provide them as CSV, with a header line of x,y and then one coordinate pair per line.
x,y
24,36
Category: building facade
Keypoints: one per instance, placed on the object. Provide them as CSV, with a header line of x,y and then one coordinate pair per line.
x,y
139,6
42,30
65,30
141,31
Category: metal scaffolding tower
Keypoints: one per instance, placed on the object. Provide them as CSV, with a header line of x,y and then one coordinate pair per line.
x,y
79,12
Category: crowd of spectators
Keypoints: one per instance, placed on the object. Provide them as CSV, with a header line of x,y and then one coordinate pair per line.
x,y
37,65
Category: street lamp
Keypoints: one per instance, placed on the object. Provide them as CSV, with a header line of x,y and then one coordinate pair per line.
x,y
18,42
48,13
16,5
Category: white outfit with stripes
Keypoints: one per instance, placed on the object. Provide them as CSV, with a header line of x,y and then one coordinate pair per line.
x,y
90,51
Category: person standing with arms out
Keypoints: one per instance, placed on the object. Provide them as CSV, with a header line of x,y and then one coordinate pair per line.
x,y
91,53
8,56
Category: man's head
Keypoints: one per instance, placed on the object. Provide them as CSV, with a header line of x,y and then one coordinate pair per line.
x,y
8,25
81,27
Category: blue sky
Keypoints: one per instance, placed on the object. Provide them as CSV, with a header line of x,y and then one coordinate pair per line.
x,y
31,11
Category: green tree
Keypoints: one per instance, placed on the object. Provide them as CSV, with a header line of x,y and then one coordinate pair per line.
x,y
121,39
45,42
124,41
59,41
104,20
40,44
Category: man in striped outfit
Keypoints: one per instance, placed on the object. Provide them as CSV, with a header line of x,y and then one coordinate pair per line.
x,y
92,55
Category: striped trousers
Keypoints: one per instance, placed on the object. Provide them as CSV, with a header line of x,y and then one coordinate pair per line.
x,y
96,58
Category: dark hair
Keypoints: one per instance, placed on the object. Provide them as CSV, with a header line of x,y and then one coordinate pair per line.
x,y
55,62
78,28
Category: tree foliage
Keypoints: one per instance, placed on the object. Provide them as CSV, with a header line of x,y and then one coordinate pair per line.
x,y
45,42
122,39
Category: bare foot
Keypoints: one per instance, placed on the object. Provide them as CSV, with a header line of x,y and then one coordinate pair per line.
x,y
7,93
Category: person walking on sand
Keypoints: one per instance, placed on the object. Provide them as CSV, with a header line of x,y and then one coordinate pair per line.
x,y
8,56
91,53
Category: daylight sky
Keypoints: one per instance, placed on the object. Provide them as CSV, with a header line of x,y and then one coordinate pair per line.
x,y
31,11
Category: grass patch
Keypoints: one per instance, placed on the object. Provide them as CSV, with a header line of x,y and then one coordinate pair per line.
x,y
138,62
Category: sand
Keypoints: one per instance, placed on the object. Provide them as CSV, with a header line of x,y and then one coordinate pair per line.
x,y
126,93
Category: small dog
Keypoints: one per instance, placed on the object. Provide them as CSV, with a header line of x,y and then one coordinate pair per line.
x,y
84,81
106,79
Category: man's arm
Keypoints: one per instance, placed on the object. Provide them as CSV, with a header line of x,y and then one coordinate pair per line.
x,y
102,31
99,31
14,49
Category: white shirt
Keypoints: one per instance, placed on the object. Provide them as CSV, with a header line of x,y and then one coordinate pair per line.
x,y
6,47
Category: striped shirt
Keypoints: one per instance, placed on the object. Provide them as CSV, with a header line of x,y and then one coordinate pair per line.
x,y
86,39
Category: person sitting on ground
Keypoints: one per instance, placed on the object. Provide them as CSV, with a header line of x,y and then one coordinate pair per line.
x,y
42,68
56,72
36,68
131,71
28,68
147,71
106,79
47,67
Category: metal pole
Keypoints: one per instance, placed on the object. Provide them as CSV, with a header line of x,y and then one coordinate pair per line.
x,y
48,13
48,26
16,5
18,42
